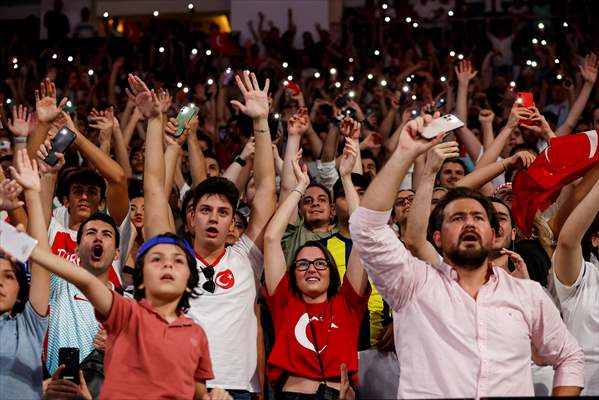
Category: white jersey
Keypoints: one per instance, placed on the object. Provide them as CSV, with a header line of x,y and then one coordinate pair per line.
x,y
229,318
579,305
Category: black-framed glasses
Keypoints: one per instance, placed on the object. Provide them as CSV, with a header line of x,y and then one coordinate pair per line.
x,y
404,201
209,285
320,264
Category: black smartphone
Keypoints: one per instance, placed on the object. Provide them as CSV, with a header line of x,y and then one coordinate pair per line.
x,y
69,356
341,101
63,139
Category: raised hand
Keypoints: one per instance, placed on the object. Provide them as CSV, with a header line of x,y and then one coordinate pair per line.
x,y
518,114
373,141
26,173
411,140
521,159
349,157
359,114
589,68
19,125
145,99
540,125
350,128
103,120
439,153
521,270
256,99
301,176
298,124
465,72
486,116
9,195
165,99
346,392
249,149
45,102
41,155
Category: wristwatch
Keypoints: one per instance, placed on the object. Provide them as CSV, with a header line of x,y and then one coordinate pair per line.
x,y
240,161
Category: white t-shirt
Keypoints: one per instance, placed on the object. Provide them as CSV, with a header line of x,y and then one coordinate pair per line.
x,y
228,316
580,308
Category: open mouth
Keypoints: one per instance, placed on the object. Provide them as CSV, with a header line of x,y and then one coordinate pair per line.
x,y
469,237
167,277
97,251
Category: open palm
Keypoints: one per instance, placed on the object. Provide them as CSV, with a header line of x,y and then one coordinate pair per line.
x,y
145,100
45,102
26,174
256,99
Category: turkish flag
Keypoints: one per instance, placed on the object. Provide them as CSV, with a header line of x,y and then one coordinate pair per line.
x,y
220,42
566,159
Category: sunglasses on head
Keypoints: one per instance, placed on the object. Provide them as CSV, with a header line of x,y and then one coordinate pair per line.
x,y
209,285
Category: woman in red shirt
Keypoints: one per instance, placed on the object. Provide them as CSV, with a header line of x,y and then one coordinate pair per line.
x,y
316,321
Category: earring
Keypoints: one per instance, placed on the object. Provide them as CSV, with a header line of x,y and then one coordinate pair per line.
x,y
142,286
188,290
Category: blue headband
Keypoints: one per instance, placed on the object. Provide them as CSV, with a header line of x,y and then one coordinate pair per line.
x,y
164,239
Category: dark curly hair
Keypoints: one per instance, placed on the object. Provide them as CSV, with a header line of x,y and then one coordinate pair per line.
x,y
192,281
334,277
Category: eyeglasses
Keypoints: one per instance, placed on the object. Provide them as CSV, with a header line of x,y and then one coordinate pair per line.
x,y
402,201
320,264
209,285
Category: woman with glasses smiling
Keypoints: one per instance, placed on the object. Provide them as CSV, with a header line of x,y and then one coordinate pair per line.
x,y
316,316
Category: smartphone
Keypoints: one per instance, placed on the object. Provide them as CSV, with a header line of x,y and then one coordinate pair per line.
x,y
341,101
69,356
17,244
60,143
525,99
446,123
227,76
295,89
185,115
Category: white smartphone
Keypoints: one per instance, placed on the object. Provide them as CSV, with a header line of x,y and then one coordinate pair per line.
x,y
446,123
17,244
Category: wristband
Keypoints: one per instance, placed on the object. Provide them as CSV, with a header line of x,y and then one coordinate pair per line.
x,y
261,130
299,191
20,139
240,161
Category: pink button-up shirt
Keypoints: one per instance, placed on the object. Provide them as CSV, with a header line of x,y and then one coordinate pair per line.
x,y
452,345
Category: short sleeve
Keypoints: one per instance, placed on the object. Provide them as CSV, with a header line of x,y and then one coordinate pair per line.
x,y
36,325
356,304
566,292
246,247
204,368
277,302
119,315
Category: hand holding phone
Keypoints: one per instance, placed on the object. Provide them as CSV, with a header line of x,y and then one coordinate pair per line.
x,y
294,88
16,243
446,123
525,99
60,143
69,357
185,115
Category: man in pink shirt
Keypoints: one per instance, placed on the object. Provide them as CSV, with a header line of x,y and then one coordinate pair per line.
x,y
463,328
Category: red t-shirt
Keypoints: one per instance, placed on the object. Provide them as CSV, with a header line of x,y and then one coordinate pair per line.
x,y
148,358
336,323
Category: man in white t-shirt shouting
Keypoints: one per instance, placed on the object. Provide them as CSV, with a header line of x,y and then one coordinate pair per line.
x,y
230,277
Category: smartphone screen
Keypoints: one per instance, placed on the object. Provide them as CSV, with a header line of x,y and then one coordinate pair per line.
x,y
17,244
61,142
69,356
525,99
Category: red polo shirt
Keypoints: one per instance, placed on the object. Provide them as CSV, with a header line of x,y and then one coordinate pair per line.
x,y
146,357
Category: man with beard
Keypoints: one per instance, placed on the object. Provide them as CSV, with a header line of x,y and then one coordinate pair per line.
x,y
463,328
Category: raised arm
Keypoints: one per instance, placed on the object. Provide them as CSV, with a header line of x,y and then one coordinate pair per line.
x,y
274,257
588,70
567,258
46,111
481,176
156,200
235,171
465,74
26,174
356,275
256,107
197,163
296,127
396,274
416,227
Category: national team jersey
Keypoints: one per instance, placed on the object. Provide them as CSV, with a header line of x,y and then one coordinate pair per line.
x,y
228,317
378,313
335,323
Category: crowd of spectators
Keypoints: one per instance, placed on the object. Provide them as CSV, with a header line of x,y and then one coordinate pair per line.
x,y
299,237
